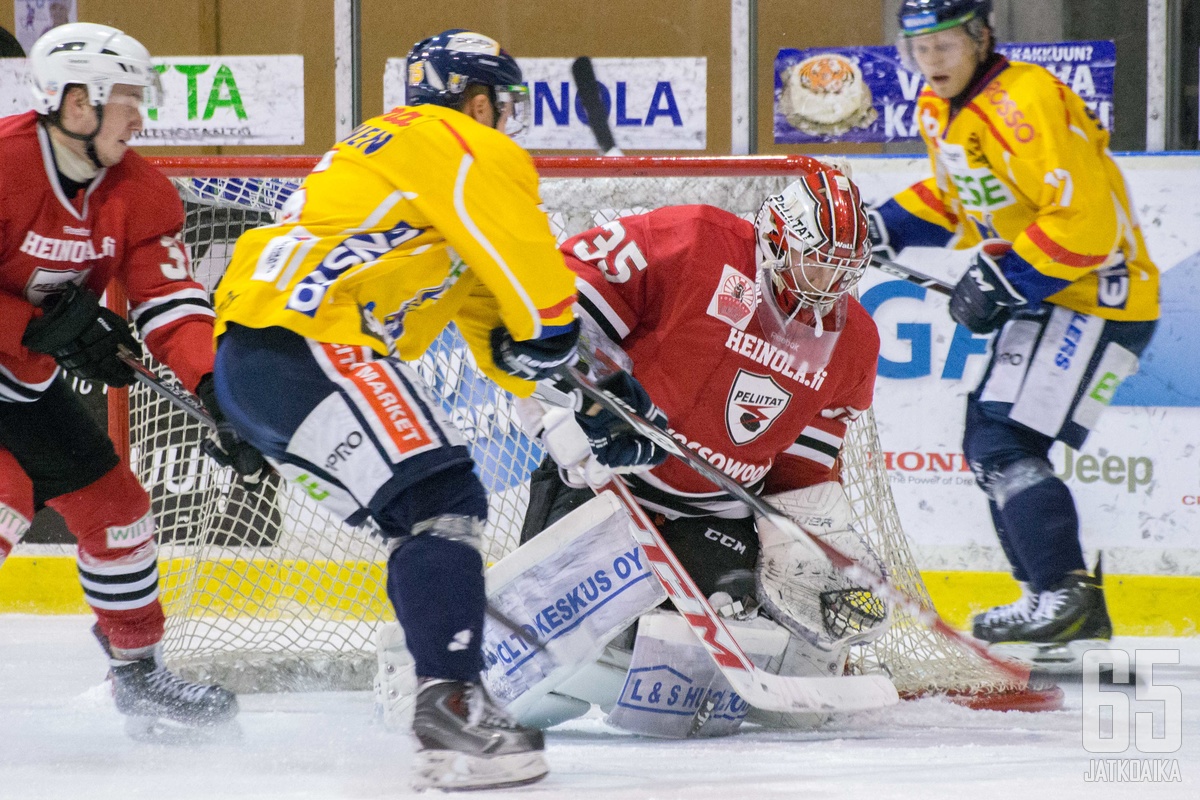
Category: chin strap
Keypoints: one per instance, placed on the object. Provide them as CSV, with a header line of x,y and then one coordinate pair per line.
x,y
89,144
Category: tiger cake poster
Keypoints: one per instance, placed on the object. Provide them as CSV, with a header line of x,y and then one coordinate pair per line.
x,y
865,94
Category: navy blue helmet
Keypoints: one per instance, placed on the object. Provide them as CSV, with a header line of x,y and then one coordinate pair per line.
x,y
441,67
918,17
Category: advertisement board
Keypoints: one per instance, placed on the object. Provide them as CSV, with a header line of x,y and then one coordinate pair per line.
x,y
207,100
653,103
866,94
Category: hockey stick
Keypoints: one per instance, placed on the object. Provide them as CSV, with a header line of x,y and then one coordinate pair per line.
x,y
588,89
922,613
187,403
757,687
906,273
180,398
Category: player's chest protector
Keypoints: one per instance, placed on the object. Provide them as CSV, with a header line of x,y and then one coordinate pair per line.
x,y
50,243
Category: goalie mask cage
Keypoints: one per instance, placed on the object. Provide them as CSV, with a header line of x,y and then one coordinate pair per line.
x,y
264,590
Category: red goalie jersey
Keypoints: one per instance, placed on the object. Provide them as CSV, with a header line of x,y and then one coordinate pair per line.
x,y
124,226
676,289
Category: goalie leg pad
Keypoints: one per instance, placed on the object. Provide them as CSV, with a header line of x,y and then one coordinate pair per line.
x,y
573,588
395,679
117,557
673,688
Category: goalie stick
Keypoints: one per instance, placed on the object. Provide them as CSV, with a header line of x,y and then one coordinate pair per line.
x,y
588,89
923,614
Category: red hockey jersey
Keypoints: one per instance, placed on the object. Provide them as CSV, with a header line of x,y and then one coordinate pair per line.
x,y
675,288
124,226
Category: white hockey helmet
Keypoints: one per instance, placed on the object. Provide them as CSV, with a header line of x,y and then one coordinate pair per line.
x,y
93,56
813,242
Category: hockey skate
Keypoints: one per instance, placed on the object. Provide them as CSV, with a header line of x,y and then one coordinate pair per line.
x,y
1067,621
995,624
465,741
160,706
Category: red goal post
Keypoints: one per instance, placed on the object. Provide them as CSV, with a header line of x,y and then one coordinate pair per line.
x,y
268,592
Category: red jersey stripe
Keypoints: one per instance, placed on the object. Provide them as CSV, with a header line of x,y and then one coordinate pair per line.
x,y
1059,253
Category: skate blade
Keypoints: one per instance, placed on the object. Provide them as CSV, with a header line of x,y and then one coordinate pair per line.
x,y
450,771
1058,661
154,730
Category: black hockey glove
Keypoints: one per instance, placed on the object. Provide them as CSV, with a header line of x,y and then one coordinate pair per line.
x,y
84,337
535,359
614,444
878,234
224,446
983,299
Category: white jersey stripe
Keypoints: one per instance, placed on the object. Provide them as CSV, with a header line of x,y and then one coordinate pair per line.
x,y
182,294
597,299
122,605
821,436
176,314
461,207
799,450
15,390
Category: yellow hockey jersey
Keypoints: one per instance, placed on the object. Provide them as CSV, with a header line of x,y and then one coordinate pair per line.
x,y
419,218
1025,161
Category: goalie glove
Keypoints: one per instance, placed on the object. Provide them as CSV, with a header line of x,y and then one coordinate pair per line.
x,y
797,585
983,299
85,338
224,445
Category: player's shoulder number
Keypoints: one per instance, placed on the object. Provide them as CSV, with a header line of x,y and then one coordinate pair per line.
x,y
600,251
176,268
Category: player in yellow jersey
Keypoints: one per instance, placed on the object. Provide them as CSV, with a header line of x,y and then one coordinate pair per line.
x,y
1022,168
424,216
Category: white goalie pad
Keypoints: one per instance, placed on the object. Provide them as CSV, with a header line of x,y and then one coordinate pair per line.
x,y
805,593
672,689
395,678
572,587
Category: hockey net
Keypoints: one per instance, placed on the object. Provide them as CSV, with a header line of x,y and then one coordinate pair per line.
x,y
264,590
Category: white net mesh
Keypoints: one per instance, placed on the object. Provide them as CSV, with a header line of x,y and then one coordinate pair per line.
x,y
266,591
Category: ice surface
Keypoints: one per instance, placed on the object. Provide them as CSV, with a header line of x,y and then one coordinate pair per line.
x,y
60,737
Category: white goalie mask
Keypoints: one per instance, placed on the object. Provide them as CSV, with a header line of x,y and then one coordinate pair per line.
x,y
812,248
94,56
